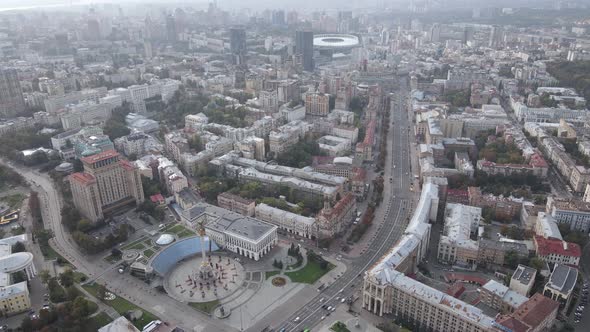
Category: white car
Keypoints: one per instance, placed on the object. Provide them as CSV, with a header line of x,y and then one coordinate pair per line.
x,y
343,300
323,317
333,309
296,319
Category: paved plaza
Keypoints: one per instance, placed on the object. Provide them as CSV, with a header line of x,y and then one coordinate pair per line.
x,y
187,283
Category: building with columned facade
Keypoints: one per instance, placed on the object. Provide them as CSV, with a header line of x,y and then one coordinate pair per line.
x,y
232,231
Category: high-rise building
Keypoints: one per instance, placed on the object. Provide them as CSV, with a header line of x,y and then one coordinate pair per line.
x,y
171,33
106,184
435,33
11,95
237,45
237,40
317,104
304,47
496,36
93,29
278,17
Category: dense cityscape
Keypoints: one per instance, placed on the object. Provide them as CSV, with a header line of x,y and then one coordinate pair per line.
x,y
407,165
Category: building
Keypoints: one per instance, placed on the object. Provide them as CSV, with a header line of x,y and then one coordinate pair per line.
x,y
364,149
269,100
317,104
535,315
242,235
547,227
522,279
573,212
561,285
12,101
106,184
456,245
557,251
505,208
14,298
121,324
236,203
499,297
237,40
494,252
334,146
252,148
287,135
304,48
434,310
291,223
332,220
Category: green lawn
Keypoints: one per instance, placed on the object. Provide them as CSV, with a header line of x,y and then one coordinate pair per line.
x,y
80,277
99,321
178,228
271,273
148,253
14,201
309,274
122,306
205,306
185,233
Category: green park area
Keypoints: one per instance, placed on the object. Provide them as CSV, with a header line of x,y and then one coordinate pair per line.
x,y
206,307
310,273
123,306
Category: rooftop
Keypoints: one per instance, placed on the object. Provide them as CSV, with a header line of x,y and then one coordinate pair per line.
x,y
100,156
524,274
556,247
507,295
562,279
83,178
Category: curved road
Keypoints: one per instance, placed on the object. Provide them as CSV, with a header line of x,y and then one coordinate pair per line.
x,y
128,287
395,209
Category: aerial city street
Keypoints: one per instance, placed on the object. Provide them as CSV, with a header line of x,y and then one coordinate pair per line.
x,y
294,166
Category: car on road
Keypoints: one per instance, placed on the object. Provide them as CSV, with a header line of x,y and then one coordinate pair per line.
x,y
333,309
323,317
343,300
297,319
329,308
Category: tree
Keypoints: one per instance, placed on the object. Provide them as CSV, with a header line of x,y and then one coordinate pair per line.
x,y
66,278
44,276
101,291
18,247
196,143
511,259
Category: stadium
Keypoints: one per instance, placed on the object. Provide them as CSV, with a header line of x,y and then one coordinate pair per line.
x,y
335,42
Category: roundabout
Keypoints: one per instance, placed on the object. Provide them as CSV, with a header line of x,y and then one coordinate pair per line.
x,y
188,283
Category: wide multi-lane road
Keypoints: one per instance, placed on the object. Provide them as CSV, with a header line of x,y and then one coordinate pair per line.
x,y
394,210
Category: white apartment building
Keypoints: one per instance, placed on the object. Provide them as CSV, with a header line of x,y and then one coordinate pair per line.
x,y
288,221
455,245
522,279
240,234
287,135
334,146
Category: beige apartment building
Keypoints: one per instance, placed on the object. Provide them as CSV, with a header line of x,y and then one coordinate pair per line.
x,y
236,203
317,104
107,183
14,298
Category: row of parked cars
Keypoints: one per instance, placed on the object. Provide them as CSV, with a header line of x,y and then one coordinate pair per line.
x,y
582,304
